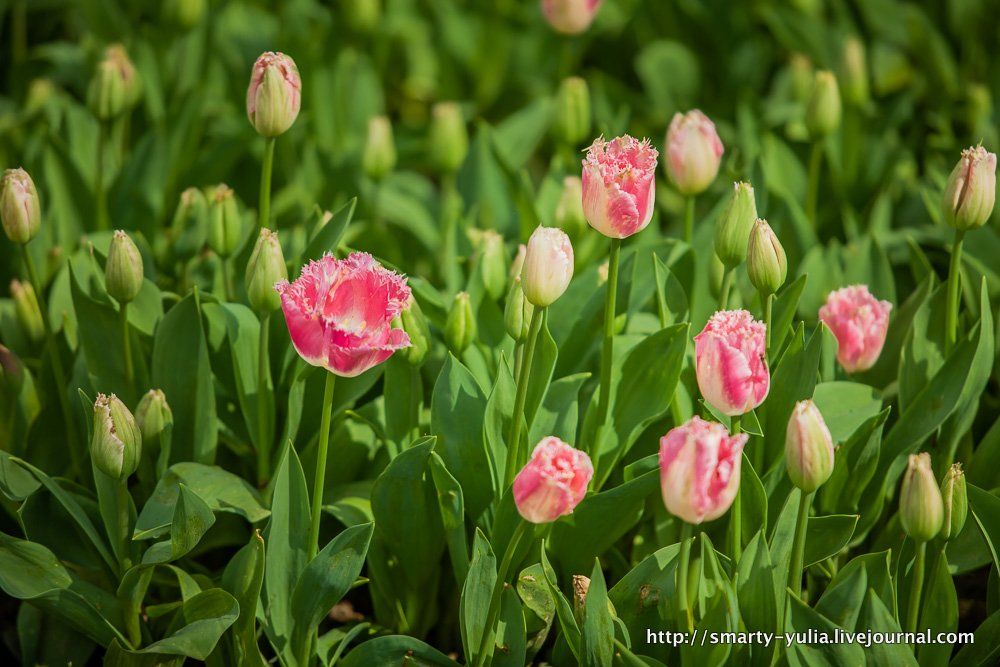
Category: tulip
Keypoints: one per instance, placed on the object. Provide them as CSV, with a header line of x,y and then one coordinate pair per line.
x,y
449,140
362,15
767,266
570,17
732,232
618,185
971,190
553,482
518,263
152,416
189,228
548,266
117,442
569,215
339,313
274,95
859,322
921,508
225,229
729,362
413,322
517,312
854,71
20,211
824,107
123,270
572,118
955,502
694,152
11,371
700,469
379,156
493,263
115,86
808,447
265,269
26,307
185,14
460,328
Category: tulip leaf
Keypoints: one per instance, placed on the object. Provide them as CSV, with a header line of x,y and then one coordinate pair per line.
x,y
476,593
198,625
843,599
192,519
452,506
845,406
985,510
826,536
564,611
755,589
985,650
558,414
794,379
801,619
242,578
938,610
876,617
395,650
542,365
327,238
597,634
510,636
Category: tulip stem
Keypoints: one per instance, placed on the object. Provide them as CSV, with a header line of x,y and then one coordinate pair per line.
x,y
127,345
124,514
263,378
227,278
683,566
449,249
727,285
485,650
521,396
57,368
954,280
608,351
320,478
99,191
812,191
736,514
415,390
689,218
264,208
799,544
916,587
767,300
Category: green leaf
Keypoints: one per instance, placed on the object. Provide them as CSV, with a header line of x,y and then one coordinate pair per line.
x,y
597,634
564,611
100,336
192,519
843,598
938,610
985,650
243,578
845,406
542,365
327,238
510,635
755,590
199,625
452,506
476,594
985,509
827,536
644,597
801,619
395,650
558,414
785,305
793,380
875,616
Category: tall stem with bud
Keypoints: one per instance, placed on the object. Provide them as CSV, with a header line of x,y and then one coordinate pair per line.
x,y
954,285
608,347
266,167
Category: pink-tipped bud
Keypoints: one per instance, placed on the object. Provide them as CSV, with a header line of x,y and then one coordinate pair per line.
x,y
694,152
808,447
570,17
859,322
971,190
548,266
767,266
921,508
700,469
729,362
619,185
553,482
275,94
116,85
20,212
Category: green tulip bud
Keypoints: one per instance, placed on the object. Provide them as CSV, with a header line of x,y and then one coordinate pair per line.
x,y
225,227
29,315
379,157
20,211
117,442
152,416
854,71
123,270
11,371
517,312
115,86
185,14
493,263
265,268
569,211
801,74
449,139
460,327
732,231
766,262
808,447
921,509
362,15
572,118
956,502
189,228
274,96
971,189
414,323
823,109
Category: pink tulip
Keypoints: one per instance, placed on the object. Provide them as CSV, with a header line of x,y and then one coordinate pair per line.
x,y
729,362
860,322
274,95
618,185
339,312
553,482
570,17
694,152
700,469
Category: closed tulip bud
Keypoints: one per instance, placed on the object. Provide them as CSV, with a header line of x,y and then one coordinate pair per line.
x,y
265,269
11,371
20,212
518,263
548,266
553,482
766,262
123,270
823,109
117,442
801,73
184,13
152,416
274,95
732,231
379,156
362,15
29,315
225,227
460,328
189,228
569,210
572,119
730,366
517,312
449,139
115,86
570,17
414,323
921,509
854,71
493,264
808,447
971,190
956,502
694,152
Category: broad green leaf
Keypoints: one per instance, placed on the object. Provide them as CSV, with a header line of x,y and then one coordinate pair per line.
x,y
826,536
597,633
198,625
452,507
395,650
755,590
242,578
476,594
192,519
985,510
510,636
327,238
985,650
801,619
938,609
876,617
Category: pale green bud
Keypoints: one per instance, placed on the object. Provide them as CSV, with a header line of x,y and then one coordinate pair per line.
x,y
225,227
824,108
460,329
449,138
921,509
493,263
808,447
115,86
29,315
766,262
971,190
379,156
414,323
11,371
569,210
184,13
265,268
20,211
362,15
152,416
117,442
572,118
854,71
517,312
123,270
956,502
189,227
732,231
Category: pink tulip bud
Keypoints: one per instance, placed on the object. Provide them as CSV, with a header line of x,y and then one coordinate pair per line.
x,y
20,211
553,482
700,469
570,17
548,266
808,447
859,321
618,185
729,362
694,152
339,313
971,190
274,95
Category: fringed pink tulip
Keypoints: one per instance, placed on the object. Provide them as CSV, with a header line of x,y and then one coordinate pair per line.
x,y
730,362
859,321
553,482
339,312
694,152
274,95
700,469
570,17
618,185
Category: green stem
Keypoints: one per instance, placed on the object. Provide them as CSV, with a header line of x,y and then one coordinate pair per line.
x,y
916,588
767,301
520,397
683,566
227,278
19,30
449,245
124,519
485,650
102,197
263,382
736,514
127,346
954,280
727,285
320,478
264,208
812,192
608,351
799,544
415,387
689,218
